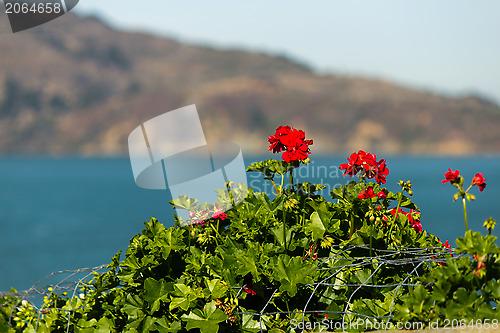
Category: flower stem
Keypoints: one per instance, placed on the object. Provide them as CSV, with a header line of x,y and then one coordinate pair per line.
x,y
291,179
397,211
465,214
284,229
216,229
351,231
371,239
275,187
228,189
371,229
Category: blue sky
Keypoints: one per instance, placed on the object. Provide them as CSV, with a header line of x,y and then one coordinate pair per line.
x,y
449,46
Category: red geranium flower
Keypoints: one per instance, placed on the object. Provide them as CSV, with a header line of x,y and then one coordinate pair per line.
x,y
218,213
275,140
248,288
366,165
367,193
412,216
292,141
352,167
451,176
382,195
479,180
380,172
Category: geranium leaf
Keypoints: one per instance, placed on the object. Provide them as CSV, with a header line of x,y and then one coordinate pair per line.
x,y
291,272
156,290
207,321
315,227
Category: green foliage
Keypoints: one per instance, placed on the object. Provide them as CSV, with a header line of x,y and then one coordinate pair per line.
x,y
465,288
262,264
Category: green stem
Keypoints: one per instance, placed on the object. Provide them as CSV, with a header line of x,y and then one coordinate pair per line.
x,y
284,229
291,179
228,189
351,231
371,239
371,229
216,232
397,211
275,188
465,214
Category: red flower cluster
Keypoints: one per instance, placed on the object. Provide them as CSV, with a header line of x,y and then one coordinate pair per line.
x,y
368,193
219,213
454,178
412,216
366,165
199,217
292,141
479,180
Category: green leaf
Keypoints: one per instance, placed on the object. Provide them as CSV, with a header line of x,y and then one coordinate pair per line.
x,y
249,324
153,227
207,321
132,262
217,288
291,272
184,202
315,227
247,262
104,325
168,241
278,235
163,326
271,167
133,306
156,291
184,296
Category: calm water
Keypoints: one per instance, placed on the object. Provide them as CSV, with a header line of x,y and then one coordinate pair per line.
x,y
69,213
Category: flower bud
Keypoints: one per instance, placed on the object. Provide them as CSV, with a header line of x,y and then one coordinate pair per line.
x,y
372,218
471,196
461,181
489,224
456,196
410,192
25,303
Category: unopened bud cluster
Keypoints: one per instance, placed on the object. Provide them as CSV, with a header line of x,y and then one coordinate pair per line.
x,y
406,187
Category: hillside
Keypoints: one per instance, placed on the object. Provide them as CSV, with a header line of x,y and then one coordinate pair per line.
x,y
78,86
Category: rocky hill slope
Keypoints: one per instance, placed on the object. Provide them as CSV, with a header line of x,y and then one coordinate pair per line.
x,y
76,85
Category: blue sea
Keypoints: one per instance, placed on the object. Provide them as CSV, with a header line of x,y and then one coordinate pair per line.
x,y
69,213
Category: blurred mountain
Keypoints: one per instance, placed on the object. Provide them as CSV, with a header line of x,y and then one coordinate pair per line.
x,y
76,85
